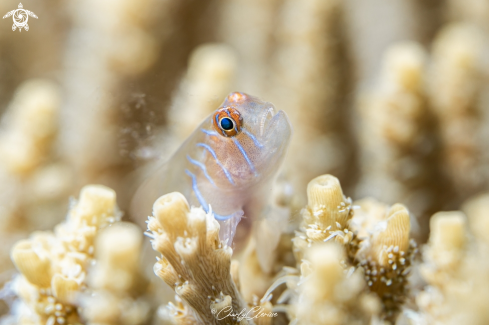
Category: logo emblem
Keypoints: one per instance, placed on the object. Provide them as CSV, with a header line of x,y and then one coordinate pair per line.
x,y
20,17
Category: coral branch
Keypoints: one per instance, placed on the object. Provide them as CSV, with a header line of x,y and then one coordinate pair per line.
x,y
54,266
328,295
194,262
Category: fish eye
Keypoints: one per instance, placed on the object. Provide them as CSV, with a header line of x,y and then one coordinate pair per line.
x,y
227,121
227,124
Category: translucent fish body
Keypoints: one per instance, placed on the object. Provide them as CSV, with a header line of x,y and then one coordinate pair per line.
x,y
228,172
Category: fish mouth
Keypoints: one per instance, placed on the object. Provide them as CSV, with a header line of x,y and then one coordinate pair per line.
x,y
273,122
266,118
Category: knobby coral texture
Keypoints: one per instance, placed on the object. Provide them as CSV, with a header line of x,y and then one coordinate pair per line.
x,y
387,100
86,268
355,264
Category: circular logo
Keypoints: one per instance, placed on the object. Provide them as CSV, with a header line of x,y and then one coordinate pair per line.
x,y
20,18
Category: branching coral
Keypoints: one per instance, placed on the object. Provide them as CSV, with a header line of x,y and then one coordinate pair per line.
x,y
421,141
126,48
359,279
176,314
327,295
27,132
396,140
115,281
311,55
29,126
377,241
27,135
326,216
386,257
194,262
442,269
455,89
477,210
54,266
455,267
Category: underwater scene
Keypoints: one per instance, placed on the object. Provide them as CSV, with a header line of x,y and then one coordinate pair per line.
x,y
264,162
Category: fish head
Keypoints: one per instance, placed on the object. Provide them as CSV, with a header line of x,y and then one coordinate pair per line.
x,y
249,139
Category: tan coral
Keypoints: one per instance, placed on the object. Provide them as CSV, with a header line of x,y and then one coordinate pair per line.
x,y
96,206
115,278
456,270
387,256
65,289
443,266
91,115
477,210
328,296
448,241
327,206
326,215
194,262
384,250
309,72
117,257
455,87
175,314
27,132
255,281
395,129
369,213
54,266
33,263
392,232
31,124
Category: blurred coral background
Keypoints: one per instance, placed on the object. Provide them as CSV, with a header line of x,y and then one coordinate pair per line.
x,y
388,96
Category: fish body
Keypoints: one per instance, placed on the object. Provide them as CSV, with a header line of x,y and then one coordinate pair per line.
x,y
227,164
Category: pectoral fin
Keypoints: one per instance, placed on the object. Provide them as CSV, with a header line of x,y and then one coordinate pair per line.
x,y
228,228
